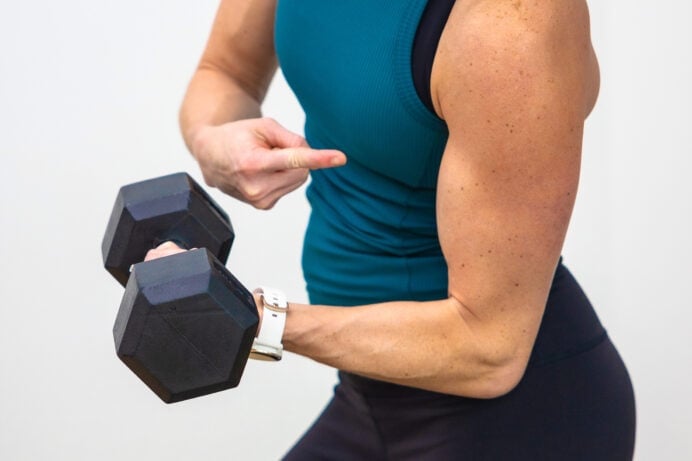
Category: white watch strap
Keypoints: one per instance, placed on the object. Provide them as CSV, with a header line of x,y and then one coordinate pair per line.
x,y
267,345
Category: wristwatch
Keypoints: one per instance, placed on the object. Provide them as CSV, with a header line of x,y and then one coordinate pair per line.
x,y
267,345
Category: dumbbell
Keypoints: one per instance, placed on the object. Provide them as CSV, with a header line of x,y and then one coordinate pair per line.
x,y
185,325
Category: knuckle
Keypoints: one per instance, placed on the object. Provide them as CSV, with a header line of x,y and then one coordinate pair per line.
x,y
294,160
253,194
268,120
249,166
260,196
266,204
154,254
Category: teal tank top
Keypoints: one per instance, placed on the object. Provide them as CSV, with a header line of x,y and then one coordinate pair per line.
x,y
372,235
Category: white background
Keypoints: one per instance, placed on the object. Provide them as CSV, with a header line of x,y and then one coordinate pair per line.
x,y
89,92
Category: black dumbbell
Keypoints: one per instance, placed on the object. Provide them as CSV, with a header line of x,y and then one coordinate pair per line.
x,y
185,324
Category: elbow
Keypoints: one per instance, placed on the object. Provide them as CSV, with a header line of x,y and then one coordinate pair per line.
x,y
501,378
494,381
496,362
501,367
489,376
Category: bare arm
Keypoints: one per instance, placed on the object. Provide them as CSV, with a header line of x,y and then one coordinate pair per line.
x,y
253,159
235,70
514,83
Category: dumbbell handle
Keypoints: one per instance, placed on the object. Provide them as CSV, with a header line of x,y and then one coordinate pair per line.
x,y
185,325
153,211
267,344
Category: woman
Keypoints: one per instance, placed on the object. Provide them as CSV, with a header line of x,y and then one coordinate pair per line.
x,y
465,336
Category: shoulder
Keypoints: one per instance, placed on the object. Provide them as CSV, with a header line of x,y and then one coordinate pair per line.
x,y
506,42
534,20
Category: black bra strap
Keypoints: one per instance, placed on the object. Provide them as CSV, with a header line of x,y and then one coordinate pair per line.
x,y
425,43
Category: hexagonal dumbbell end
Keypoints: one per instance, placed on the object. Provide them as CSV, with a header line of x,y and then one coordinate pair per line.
x,y
150,212
185,325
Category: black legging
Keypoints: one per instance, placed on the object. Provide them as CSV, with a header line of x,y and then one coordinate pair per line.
x,y
575,402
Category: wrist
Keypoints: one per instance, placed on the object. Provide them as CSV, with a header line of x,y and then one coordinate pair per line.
x,y
196,139
272,308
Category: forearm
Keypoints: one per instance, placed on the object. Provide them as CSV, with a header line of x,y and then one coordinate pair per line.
x,y
213,98
235,69
434,345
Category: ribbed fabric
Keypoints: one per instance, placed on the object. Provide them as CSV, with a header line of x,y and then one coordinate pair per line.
x,y
372,234
372,237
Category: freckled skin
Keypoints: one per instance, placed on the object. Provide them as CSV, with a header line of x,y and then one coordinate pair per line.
x,y
513,80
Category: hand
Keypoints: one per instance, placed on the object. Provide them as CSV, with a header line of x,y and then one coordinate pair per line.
x,y
258,161
171,248
165,249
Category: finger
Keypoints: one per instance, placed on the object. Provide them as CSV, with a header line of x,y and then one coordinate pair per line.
x,y
277,136
269,200
155,254
165,249
265,193
169,245
305,157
